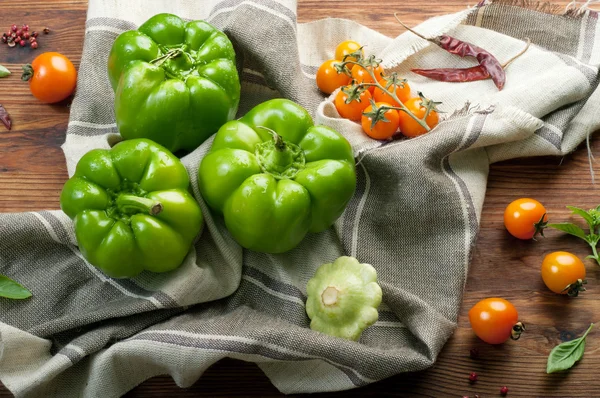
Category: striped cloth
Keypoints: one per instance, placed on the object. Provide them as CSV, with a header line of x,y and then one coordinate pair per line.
x,y
415,214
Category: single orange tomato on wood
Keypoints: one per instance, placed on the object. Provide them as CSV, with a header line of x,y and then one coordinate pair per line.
x,y
495,320
52,77
524,218
563,273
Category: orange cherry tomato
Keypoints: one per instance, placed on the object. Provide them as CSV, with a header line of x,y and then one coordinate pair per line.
x,y
408,126
354,109
402,92
361,75
52,77
345,48
495,320
328,78
382,130
562,269
523,218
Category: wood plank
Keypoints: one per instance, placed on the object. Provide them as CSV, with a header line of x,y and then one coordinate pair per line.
x,y
32,172
32,165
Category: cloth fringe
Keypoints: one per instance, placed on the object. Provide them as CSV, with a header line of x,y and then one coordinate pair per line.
x,y
573,9
470,109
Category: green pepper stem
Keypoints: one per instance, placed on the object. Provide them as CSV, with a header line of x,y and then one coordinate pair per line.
x,y
279,142
279,158
171,54
136,204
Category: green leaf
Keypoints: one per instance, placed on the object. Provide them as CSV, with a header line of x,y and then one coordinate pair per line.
x,y
12,290
4,72
564,355
588,217
570,228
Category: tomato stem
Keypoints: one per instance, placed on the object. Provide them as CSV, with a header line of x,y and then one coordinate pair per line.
x,y
516,331
430,106
27,72
539,226
392,94
574,288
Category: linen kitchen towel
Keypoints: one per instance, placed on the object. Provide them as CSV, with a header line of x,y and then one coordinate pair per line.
x,y
84,334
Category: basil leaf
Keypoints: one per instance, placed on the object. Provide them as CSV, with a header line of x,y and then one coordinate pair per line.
x,y
569,228
4,72
12,290
586,216
564,355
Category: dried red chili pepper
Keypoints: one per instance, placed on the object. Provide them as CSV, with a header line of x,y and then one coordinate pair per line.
x,y
463,49
4,117
471,74
454,75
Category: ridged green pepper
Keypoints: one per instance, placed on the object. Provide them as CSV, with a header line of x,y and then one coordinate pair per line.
x,y
343,297
175,83
275,176
131,208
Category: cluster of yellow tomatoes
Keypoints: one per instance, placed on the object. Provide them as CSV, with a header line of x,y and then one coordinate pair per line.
x,y
396,119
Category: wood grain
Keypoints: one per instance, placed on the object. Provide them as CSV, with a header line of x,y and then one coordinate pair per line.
x,y
32,171
32,166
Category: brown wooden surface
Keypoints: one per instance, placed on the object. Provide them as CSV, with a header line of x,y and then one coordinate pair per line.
x,y
32,171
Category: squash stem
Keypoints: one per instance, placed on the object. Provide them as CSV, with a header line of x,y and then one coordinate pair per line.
x,y
330,296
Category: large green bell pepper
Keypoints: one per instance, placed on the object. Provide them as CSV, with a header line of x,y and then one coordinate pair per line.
x,y
131,208
175,83
275,176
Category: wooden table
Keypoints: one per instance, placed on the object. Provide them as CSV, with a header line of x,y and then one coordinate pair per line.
x,y
32,171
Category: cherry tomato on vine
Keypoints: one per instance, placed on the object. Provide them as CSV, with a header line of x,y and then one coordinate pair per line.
x,y
495,320
402,92
410,127
382,130
345,48
524,218
328,78
52,77
563,273
354,109
362,75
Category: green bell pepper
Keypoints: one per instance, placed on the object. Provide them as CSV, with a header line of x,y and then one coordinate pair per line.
x,y
275,176
175,83
131,208
343,297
